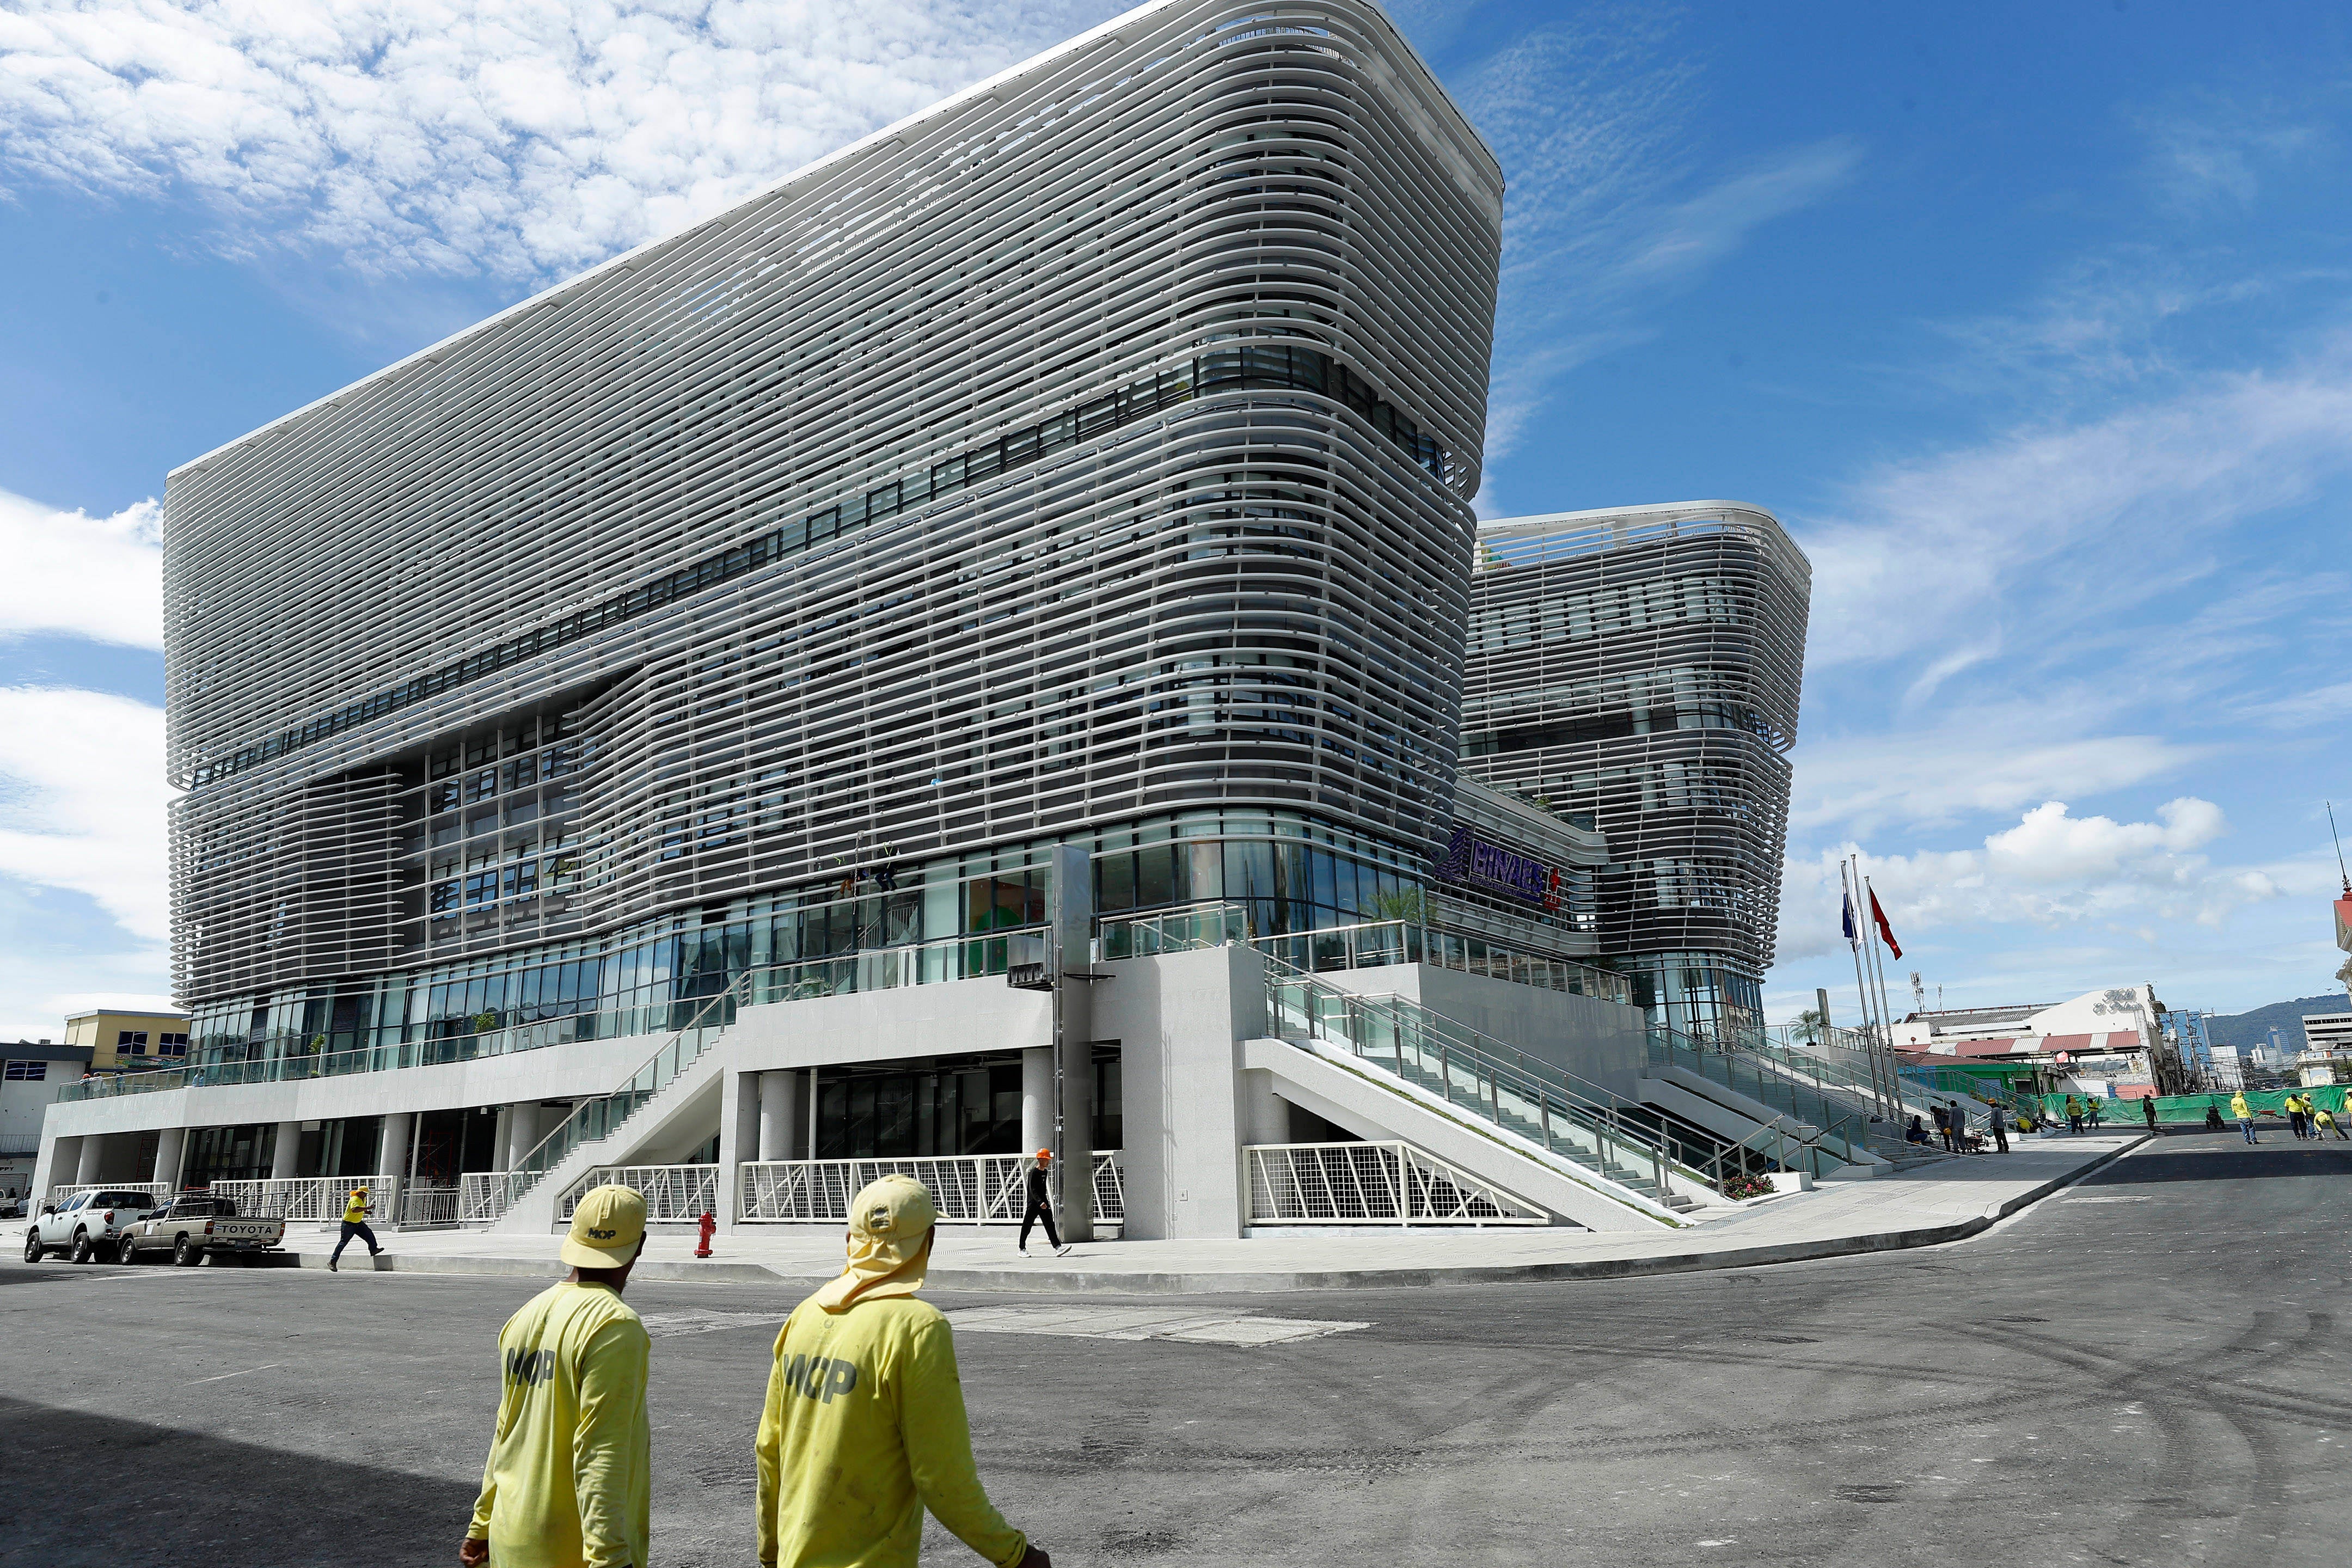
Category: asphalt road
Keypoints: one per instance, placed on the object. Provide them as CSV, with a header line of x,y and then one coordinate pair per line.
x,y
2145,1369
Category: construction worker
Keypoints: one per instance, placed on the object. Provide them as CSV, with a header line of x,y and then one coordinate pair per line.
x,y
2245,1115
569,1483
865,1424
355,1209
2323,1122
1039,1178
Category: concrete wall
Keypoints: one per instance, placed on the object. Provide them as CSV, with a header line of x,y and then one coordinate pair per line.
x,y
1596,1040
1180,1021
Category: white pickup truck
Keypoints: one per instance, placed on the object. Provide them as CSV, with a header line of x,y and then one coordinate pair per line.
x,y
85,1224
192,1226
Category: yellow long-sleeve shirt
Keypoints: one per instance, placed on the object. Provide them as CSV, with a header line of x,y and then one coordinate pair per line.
x,y
570,1479
864,1428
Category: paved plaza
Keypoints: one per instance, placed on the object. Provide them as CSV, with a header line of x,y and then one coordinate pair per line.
x,y
2143,1367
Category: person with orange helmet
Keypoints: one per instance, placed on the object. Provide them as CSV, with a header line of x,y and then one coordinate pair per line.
x,y
1040,1177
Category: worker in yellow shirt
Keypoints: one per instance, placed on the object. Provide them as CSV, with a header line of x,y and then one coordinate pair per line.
x,y
355,1209
865,1424
570,1479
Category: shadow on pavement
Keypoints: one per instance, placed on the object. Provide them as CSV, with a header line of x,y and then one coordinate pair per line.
x,y
2215,1157
173,1496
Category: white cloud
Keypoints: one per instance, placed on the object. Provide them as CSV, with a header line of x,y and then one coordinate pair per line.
x,y
1986,761
72,575
2051,869
2060,525
523,140
82,800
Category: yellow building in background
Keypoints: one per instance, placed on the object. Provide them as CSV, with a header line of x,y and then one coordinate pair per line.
x,y
127,1040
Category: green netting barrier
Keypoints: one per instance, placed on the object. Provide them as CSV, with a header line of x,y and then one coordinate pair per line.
x,y
2188,1110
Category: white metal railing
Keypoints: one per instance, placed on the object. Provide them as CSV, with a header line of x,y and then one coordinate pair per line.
x,y
671,1192
159,1191
1376,943
970,1189
1372,1184
483,1197
319,1198
428,1208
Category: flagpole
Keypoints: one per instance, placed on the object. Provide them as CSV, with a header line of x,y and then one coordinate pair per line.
x,y
1872,935
1854,919
1881,1032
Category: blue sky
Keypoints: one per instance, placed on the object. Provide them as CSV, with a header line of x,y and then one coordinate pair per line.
x,y
2030,320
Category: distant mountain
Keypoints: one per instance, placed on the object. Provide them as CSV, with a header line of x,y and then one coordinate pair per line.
x,y
2251,1029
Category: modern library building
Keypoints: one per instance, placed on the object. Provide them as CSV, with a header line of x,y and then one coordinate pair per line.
x,y
968,650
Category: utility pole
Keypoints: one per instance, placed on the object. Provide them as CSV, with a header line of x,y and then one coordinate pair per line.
x,y
1069,943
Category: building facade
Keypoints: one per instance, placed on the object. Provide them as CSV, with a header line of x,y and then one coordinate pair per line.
x,y
1639,670
120,1041
787,585
680,723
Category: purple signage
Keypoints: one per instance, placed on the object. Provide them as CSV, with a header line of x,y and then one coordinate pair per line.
x,y
1471,861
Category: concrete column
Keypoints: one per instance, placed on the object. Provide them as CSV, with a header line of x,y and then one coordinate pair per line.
x,y
502,1139
93,1154
167,1156
1070,902
523,1132
61,1161
739,1142
392,1149
288,1152
779,1119
1037,1099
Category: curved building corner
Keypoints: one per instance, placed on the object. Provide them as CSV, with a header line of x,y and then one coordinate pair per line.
x,y
1639,668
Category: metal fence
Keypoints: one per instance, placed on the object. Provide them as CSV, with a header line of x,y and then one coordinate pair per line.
x,y
159,1191
671,1192
320,1198
1372,1184
970,1189
428,1208
483,1197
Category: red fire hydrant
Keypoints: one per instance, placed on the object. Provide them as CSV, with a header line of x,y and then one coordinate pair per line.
x,y
709,1229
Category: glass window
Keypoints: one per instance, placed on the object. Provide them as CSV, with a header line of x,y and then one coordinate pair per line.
x,y
28,1071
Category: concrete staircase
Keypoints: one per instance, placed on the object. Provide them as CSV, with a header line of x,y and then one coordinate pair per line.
x,y
1387,1067
679,1083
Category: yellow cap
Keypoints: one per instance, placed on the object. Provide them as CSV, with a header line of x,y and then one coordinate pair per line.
x,y
892,1209
607,1229
890,1223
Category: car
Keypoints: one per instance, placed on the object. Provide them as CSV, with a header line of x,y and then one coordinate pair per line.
x,y
193,1226
85,1224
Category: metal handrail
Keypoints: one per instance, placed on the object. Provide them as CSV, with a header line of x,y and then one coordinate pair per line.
x,y
1831,1120
1559,1101
1326,1183
967,1189
1375,943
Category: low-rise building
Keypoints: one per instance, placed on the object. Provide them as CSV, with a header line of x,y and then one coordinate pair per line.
x,y
2326,1054
125,1039
2104,1042
31,1074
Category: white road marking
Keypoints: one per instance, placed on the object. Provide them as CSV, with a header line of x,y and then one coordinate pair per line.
x,y
703,1320
1147,1323
271,1367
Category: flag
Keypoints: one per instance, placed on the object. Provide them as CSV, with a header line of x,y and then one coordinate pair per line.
x,y
1885,931
1850,932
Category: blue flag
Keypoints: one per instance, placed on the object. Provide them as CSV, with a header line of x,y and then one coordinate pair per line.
x,y
1850,932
